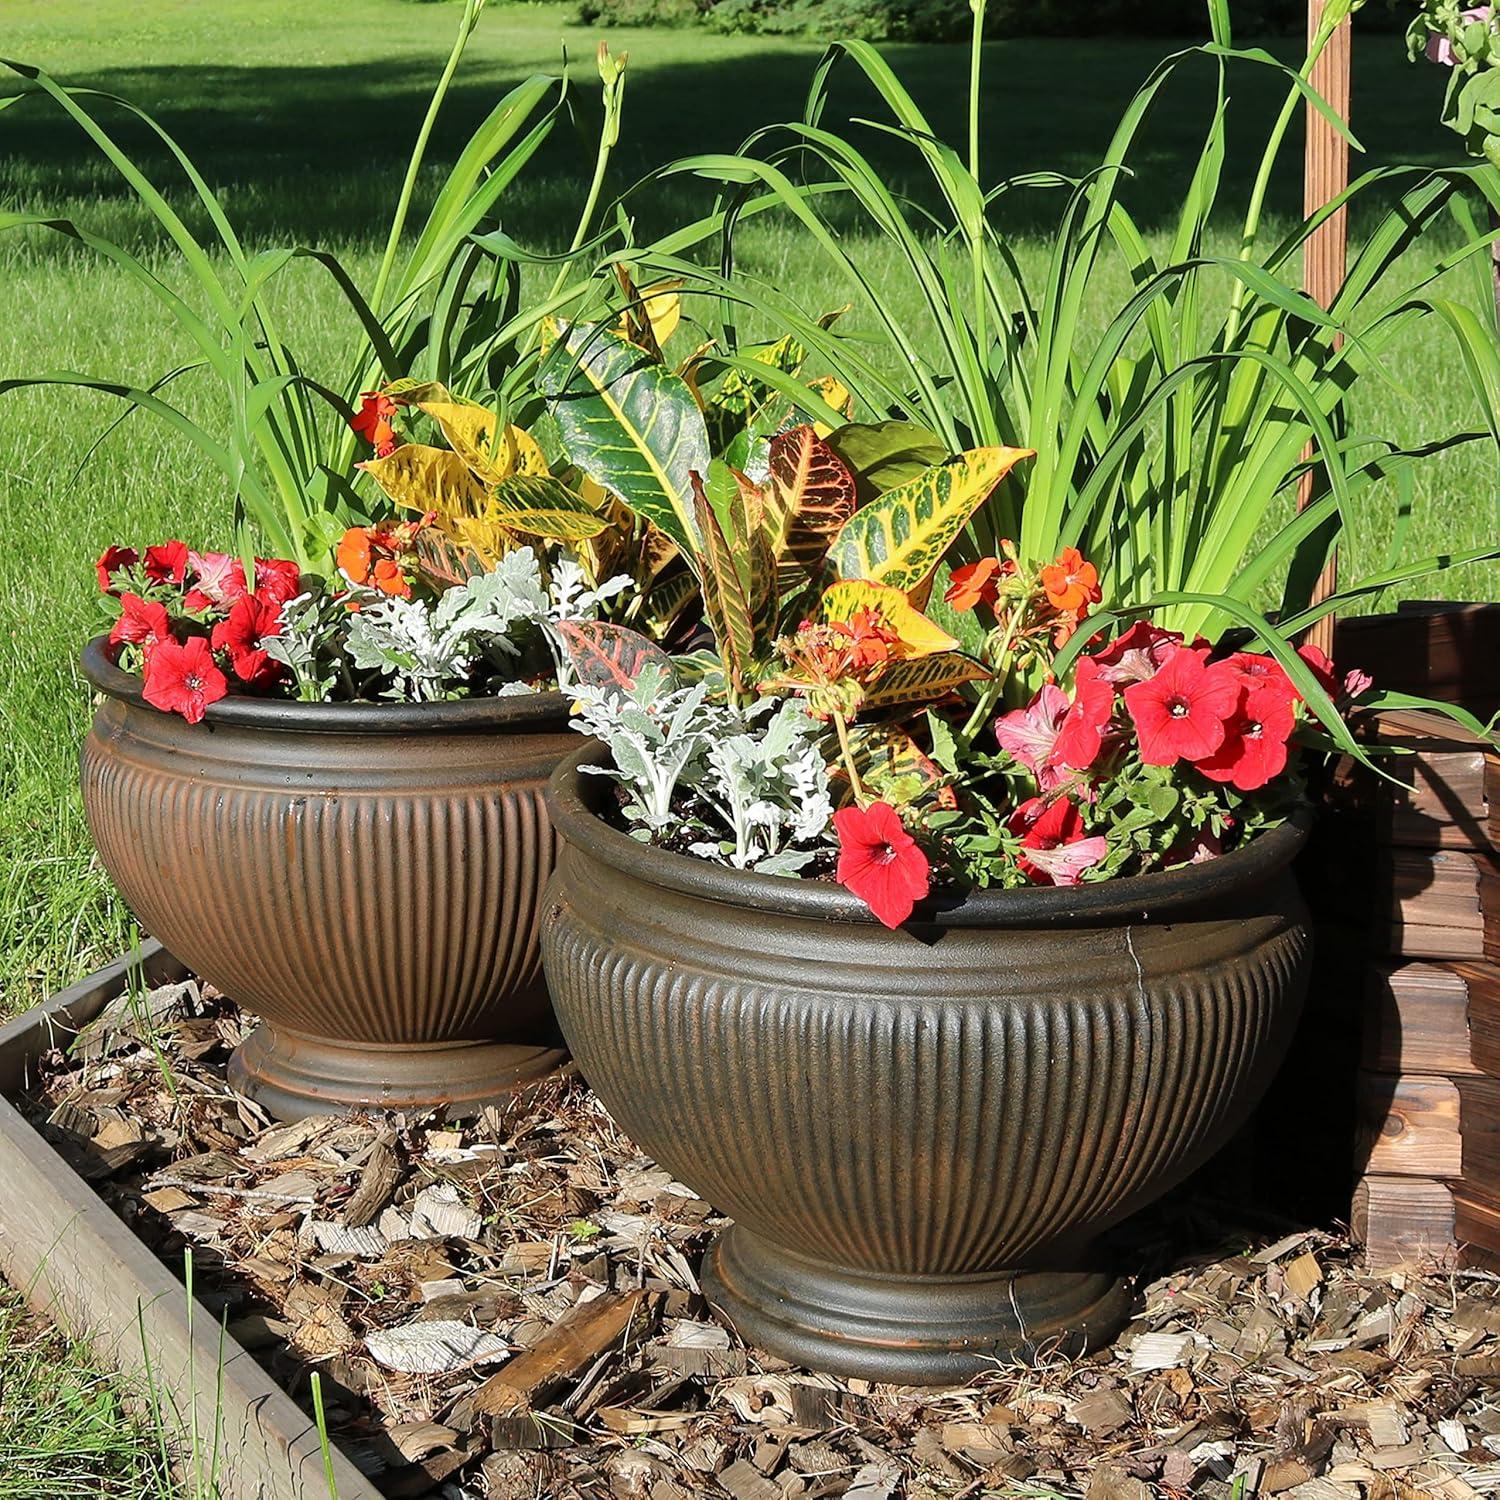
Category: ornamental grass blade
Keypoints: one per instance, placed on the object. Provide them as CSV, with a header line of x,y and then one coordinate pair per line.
x,y
900,538
632,426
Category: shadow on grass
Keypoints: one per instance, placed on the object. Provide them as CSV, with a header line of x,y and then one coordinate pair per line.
x,y
316,153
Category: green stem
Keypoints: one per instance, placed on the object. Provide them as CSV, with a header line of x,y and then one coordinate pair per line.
x,y
472,9
996,685
613,74
847,751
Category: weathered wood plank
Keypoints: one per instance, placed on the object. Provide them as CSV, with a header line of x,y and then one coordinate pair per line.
x,y
1411,1125
1417,1020
77,1263
1404,1221
1437,649
1482,981
1443,904
1477,1224
1481,1132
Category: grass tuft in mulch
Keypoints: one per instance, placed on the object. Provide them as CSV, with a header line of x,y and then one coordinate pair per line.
x,y
509,1307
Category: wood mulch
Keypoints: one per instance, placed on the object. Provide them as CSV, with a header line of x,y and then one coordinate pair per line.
x,y
509,1307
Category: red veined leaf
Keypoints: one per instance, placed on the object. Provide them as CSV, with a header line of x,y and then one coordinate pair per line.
x,y
810,496
726,600
602,655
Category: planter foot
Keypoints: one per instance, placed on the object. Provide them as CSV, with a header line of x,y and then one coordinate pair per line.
x,y
926,1331
294,1076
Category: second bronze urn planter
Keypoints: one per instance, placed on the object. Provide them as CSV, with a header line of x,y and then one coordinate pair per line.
x,y
364,877
922,1134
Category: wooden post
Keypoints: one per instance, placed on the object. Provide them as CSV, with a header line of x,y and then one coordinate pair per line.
x,y
1325,176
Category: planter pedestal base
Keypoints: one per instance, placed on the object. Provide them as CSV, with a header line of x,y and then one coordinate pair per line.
x,y
293,1076
907,1330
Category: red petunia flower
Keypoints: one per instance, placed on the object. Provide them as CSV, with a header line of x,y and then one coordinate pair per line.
x,y
1057,850
1137,655
1081,734
277,578
1254,750
880,861
182,679
142,622
111,561
1071,583
167,563
1029,734
219,578
1322,668
251,619
373,422
1181,713
976,583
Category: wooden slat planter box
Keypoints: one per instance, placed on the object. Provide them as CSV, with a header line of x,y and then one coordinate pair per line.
x,y
1429,1024
63,1248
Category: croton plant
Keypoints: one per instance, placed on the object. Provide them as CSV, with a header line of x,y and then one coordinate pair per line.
x,y
849,726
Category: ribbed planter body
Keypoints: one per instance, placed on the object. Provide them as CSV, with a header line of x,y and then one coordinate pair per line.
x,y
920,1134
364,877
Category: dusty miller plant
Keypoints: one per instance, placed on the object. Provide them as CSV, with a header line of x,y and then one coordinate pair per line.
x,y
746,787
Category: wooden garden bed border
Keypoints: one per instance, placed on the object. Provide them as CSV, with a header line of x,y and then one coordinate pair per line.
x,y
74,1261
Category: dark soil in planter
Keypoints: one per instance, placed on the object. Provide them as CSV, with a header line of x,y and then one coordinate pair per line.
x,y
543,1275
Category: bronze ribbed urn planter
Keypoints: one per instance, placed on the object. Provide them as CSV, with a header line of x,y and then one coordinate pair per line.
x,y
364,877
921,1134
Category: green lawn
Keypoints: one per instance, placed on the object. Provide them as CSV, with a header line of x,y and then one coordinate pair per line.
x,y
302,116
65,1434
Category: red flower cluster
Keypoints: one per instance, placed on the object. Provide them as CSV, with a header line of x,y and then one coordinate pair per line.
x,y
191,615
376,556
1039,602
1230,720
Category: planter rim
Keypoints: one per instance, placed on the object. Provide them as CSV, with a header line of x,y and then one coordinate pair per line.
x,y
521,713
1133,897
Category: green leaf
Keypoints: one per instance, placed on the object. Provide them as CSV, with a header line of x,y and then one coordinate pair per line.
x,y
630,425
538,505
886,454
900,538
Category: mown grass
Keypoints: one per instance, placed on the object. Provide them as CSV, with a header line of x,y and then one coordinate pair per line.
x,y
301,116
65,1433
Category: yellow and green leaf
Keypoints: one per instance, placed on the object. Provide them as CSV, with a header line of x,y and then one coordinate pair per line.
x,y
918,636
890,763
923,680
540,506
900,538
631,425
420,478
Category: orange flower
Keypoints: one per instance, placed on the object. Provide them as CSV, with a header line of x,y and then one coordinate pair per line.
x,y
389,579
870,640
1071,583
976,583
371,556
354,555
373,422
